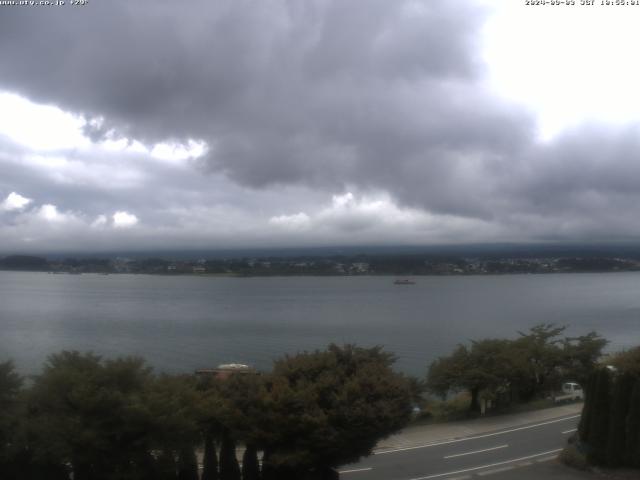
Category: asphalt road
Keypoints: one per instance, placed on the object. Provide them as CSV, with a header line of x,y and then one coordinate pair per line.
x,y
463,457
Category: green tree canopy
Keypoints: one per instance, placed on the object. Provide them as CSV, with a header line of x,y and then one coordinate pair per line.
x,y
487,365
10,384
627,361
531,365
328,408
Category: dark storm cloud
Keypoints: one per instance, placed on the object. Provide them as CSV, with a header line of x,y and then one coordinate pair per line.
x,y
325,92
324,96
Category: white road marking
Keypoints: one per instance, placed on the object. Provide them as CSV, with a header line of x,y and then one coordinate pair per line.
x,y
427,445
476,451
488,466
495,470
546,459
355,470
570,431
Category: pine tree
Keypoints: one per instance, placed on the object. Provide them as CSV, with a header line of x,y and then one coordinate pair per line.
x,y
229,468
187,464
250,467
210,461
632,443
587,409
268,471
599,421
166,466
619,410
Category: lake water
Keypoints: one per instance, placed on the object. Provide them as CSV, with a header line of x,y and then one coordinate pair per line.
x,y
182,323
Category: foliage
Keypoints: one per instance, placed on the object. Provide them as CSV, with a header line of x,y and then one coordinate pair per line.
x,y
330,407
632,432
573,457
622,389
610,426
10,384
210,460
521,369
250,465
187,464
229,467
487,365
86,412
104,418
599,421
580,355
89,418
627,361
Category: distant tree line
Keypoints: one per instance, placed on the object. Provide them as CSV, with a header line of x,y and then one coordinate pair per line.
x,y
519,370
609,430
96,419
397,264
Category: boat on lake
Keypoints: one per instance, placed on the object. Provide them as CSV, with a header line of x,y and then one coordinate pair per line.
x,y
404,281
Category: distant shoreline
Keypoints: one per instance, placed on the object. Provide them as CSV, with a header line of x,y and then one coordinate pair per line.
x,y
332,266
333,275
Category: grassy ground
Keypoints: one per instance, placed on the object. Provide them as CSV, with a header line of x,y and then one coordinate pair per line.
x,y
457,408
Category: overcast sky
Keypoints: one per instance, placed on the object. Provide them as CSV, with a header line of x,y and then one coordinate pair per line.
x,y
252,123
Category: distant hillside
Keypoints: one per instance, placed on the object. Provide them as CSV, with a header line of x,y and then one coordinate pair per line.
x,y
24,262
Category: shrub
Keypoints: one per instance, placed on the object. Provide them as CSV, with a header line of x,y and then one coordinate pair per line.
x,y
573,457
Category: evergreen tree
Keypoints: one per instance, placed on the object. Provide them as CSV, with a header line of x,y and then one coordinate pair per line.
x,y
166,465
145,467
187,464
210,460
327,408
599,421
10,385
632,437
229,468
622,390
250,466
587,408
268,471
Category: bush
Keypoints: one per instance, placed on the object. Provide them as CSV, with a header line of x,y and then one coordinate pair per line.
x,y
573,457
455,408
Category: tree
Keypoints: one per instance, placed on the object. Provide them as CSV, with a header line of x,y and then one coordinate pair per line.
x,y
581,355
632,432
10,389
166,466
488,365
622,389
171,408
229,467
10,385
250,466
328,408
541,356
105,418
627,361
187,464
588,408
84,412
210,460
599,420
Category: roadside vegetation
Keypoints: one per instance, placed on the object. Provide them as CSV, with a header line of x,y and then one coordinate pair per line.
x,y
98,419
502,374
89,418
609,430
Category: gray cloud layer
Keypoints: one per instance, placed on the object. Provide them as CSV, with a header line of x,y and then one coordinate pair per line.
x,y
299,101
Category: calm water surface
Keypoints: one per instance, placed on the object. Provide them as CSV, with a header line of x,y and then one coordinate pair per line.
x,y
183,323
